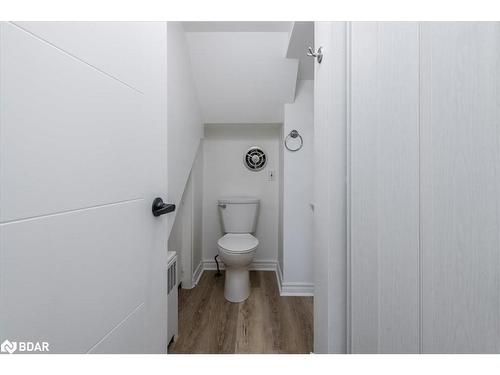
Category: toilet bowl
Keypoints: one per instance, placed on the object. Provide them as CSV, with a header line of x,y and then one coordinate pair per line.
x,y
238,246
237,251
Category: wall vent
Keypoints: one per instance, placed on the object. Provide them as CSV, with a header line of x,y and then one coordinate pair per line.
x,y
172,276
255,159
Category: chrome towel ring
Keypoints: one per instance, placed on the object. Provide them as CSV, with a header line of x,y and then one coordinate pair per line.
x,y
294,134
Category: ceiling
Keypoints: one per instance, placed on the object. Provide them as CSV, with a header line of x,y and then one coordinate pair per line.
x,y
245,72
243,26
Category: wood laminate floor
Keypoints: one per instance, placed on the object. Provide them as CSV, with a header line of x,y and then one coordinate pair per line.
x,y
264,323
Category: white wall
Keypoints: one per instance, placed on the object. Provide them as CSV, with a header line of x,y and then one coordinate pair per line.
x,y
280,205
297,261
175,237
186,234
225,174
197,181
181,236
242,77
301,37
185,127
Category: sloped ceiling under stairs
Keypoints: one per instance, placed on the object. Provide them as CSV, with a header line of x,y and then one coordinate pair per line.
x,y
241,70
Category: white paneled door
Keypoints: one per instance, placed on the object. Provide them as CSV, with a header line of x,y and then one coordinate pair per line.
x,y
82,156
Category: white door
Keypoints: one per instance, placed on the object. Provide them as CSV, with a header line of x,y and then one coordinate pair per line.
x,y
330,262
460,187
424,188
384,170
82,156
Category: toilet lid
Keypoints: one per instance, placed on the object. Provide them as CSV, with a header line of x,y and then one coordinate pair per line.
x,y
238,242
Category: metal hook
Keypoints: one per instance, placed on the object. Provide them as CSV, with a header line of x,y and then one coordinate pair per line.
x,y
318,55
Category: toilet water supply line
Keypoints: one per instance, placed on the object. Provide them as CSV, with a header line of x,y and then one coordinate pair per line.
x,y
218,273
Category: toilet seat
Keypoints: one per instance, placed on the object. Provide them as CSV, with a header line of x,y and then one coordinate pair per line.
x,y
238,243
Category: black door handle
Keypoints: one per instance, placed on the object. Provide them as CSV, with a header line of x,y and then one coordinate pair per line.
x,y
160,208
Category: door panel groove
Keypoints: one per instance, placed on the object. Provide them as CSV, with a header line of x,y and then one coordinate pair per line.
x,y
138,307
76,57
70,211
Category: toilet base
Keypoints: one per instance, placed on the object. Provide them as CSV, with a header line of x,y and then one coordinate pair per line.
x,y
237,284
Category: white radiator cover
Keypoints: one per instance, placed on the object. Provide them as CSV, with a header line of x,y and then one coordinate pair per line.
x,y
172,300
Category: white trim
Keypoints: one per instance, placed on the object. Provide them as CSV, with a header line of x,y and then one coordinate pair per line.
x,y
285,288
197,274
297,289
279,277
292,288
257,265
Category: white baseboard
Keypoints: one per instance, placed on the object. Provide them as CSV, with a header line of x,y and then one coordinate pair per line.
x,y
257,265
197,274
297,289
292,288
279,277
285,288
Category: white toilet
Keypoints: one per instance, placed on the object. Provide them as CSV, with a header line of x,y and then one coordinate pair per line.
x,y
237,247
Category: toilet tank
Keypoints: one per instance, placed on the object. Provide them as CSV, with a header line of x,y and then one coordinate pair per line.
x,y
239,214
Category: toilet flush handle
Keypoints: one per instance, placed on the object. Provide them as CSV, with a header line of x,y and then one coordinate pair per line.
x,y
222,205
